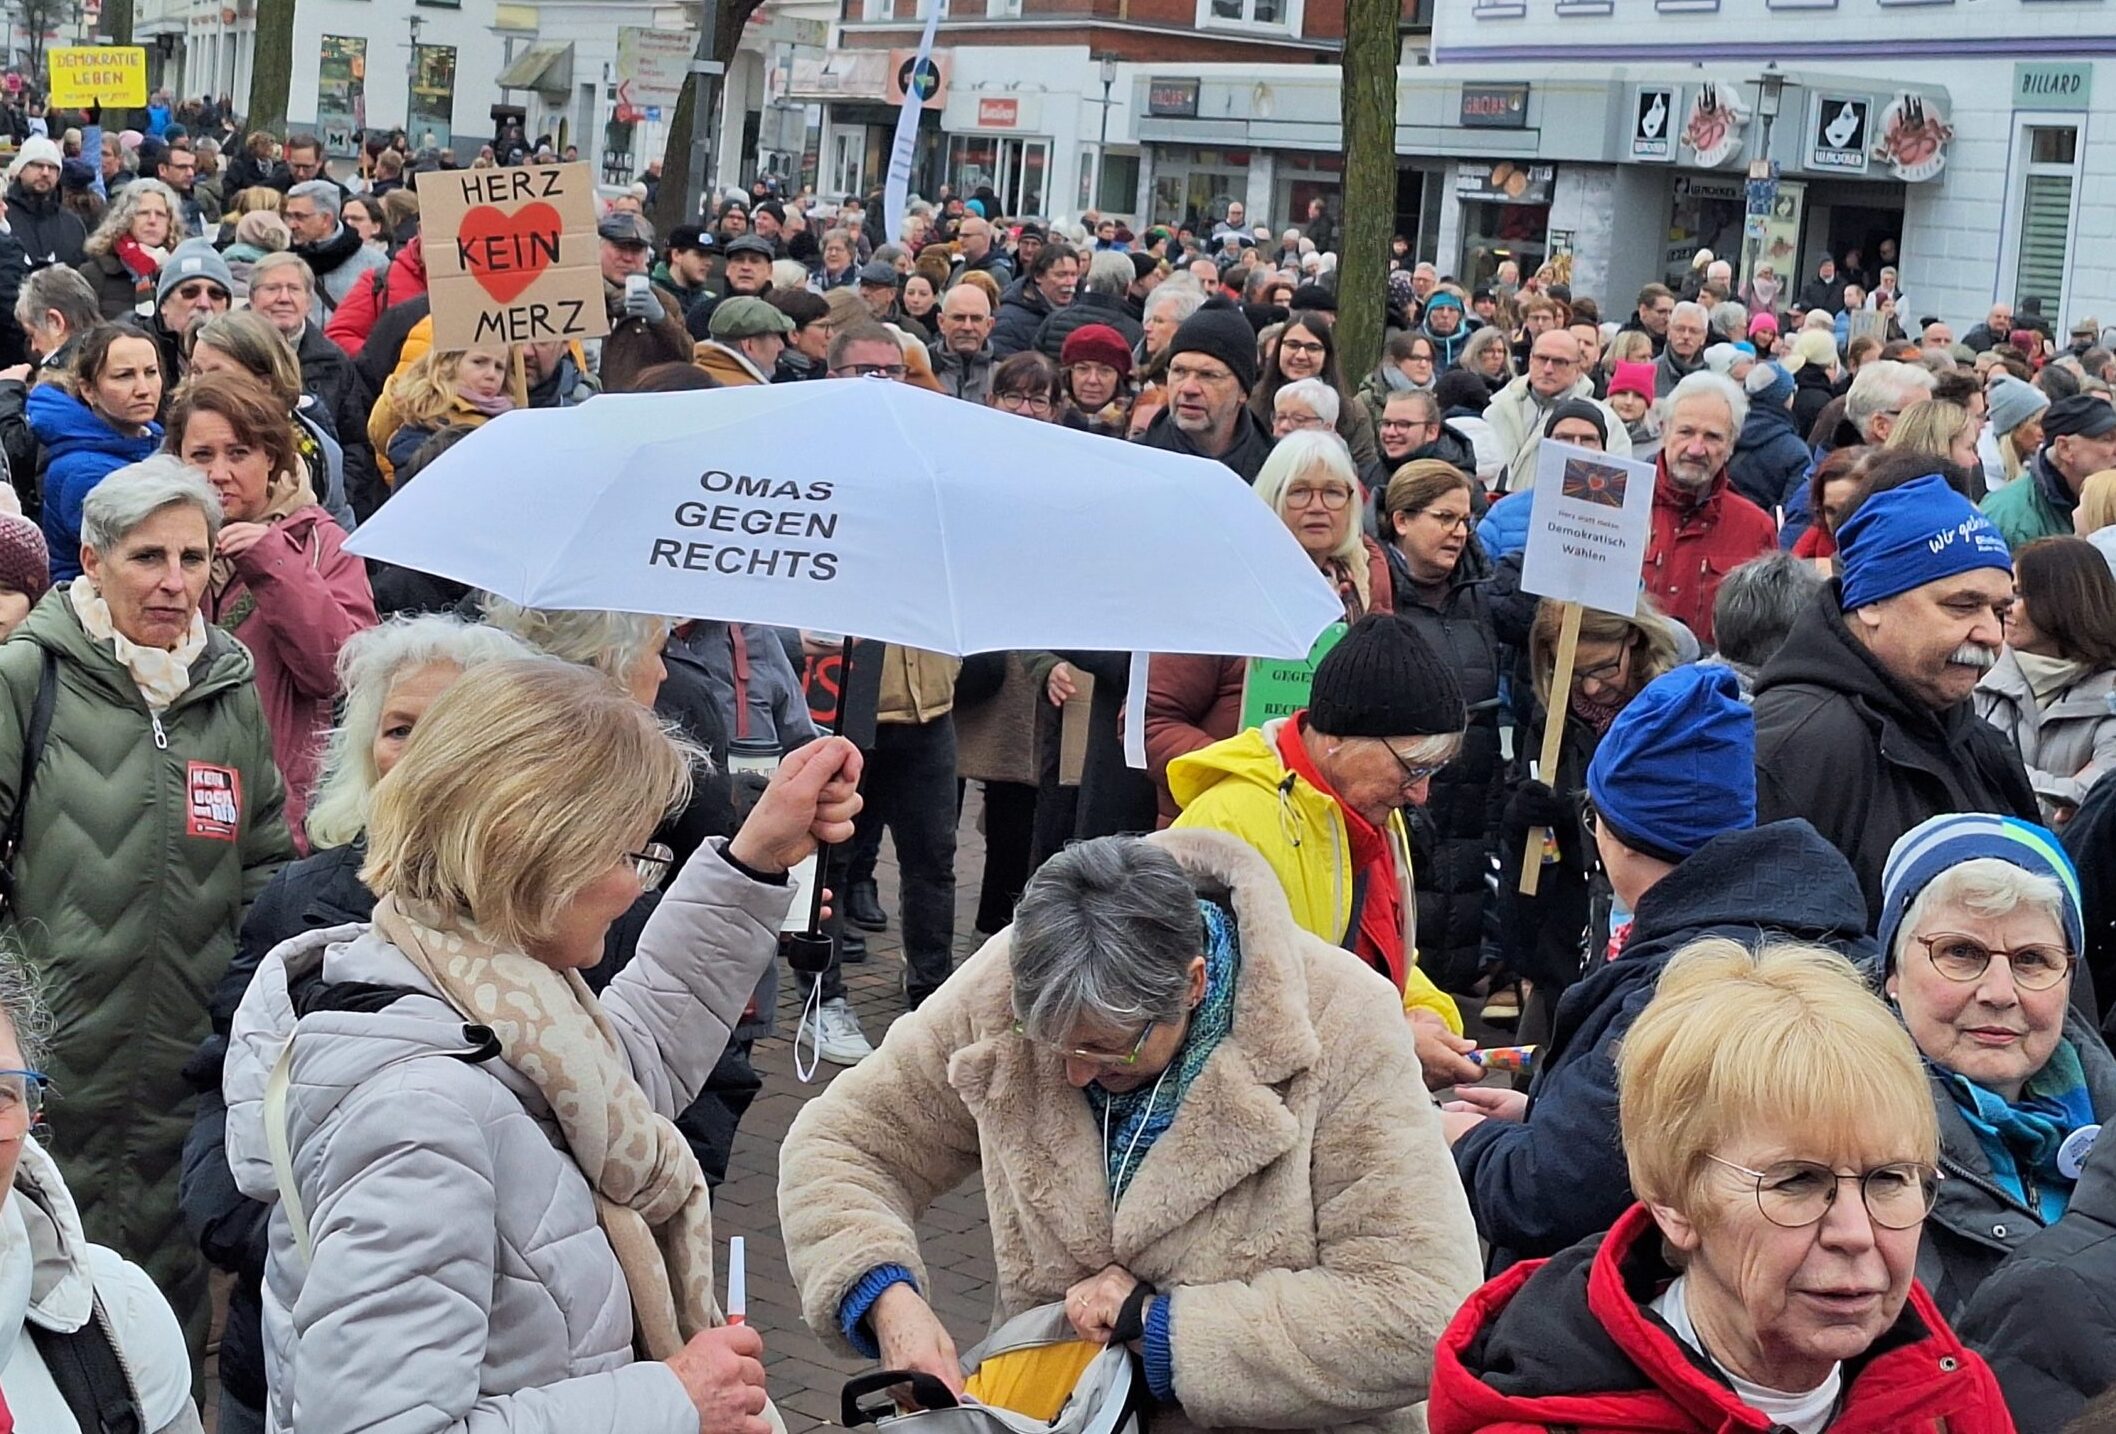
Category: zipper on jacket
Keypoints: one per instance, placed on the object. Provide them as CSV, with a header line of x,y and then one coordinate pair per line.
x,y
161,738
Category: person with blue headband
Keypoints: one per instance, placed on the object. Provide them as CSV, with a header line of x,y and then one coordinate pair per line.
x,y
1863,720
1980,934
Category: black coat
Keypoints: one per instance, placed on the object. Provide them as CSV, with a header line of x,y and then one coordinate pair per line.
x,y
1770,457
1842,743
1252,442
2090,837
329,375
117,296
1558,1176
1452,833
1812,390
2046,1318
1084,310
1022,310
48,232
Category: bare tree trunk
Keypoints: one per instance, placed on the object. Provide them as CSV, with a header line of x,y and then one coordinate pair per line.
x,y
669,203
272,66
1369,119
117,21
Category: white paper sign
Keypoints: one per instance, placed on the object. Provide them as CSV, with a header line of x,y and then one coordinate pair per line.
x,y
1588,532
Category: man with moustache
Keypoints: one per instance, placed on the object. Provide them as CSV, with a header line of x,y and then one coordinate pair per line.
x,y
1863,720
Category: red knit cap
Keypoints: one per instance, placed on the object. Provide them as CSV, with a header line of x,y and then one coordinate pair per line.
x,y
1097,343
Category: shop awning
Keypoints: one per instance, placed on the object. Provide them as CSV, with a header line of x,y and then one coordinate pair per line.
x,y
546,68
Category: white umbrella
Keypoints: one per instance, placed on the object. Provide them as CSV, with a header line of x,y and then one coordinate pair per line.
x,y
862,507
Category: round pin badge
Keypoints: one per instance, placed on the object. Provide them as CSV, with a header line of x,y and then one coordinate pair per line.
x,y
2072,1155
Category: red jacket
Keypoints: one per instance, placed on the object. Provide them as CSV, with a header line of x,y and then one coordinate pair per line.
x,y
1579,1351
354,318
1695,545
295,597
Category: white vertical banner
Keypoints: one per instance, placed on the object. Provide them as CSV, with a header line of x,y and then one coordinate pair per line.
x,y
896,193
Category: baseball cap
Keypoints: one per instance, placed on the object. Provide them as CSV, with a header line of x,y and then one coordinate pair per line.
x,y
689,239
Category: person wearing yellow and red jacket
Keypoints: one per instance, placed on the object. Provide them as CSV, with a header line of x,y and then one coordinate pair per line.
x,y
1321,795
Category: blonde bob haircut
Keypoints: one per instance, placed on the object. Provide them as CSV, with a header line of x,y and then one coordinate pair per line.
x,y
1784,1040
1313,453
525,782
2097,502
1647,634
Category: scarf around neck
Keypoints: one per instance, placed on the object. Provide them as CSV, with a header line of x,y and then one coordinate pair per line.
x,y
285,495
650,1195
2047,676
492,407
2021,1139
161,676
1135,1119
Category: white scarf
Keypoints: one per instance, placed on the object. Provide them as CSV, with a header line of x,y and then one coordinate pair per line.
x,y
162,676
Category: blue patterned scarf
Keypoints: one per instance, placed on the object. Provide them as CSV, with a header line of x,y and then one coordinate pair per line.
x,y
2021,1140
1137,1118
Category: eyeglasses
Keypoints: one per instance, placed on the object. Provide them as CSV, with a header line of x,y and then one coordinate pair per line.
x,y
1607,673
1333,498
1108,1060
1023,402
274,291
1413,773
1285,423
871,370
22,1096
1449,522
1794,1194
2036,966
1401,425
652,862
1299,346
1188,374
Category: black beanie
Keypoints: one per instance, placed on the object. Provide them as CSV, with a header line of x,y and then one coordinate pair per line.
x,y
1218,330
1579,408
1459,388
1384,680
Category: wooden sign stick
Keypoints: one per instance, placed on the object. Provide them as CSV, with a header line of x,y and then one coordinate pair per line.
x,y
521,385
1553,738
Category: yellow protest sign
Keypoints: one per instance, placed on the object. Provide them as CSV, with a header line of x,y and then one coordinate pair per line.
x,y
83,75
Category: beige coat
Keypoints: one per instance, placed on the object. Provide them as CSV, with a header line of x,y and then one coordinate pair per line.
x,y
917,686
1302,1212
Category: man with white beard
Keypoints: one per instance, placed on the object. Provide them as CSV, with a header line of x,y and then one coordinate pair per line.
x,y
1863,720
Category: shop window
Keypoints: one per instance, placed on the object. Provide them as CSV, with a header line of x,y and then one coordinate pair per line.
x,y
1120,184
1261,14
1017,170
2044,215
847,146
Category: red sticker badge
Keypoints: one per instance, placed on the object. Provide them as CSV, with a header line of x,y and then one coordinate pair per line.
x,y
214,808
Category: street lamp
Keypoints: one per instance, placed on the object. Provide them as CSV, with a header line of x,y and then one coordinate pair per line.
x,y
1109,78
1770,94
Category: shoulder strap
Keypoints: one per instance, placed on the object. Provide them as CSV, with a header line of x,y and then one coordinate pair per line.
x,y
32,752
90,1376
275,1124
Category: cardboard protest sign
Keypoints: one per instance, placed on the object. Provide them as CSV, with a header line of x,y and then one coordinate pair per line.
x,y
84,75
1275,687
1589,528
511,255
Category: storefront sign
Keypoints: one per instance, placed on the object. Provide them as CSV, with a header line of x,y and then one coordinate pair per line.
x,y
1505,182
1172,99
1841,128
1715,124
927,74
1912,137
854,75
1494,107
1653,124
2038,86
998,114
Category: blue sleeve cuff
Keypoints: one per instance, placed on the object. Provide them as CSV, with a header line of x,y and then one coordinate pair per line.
x,y
852,1310
1160,1360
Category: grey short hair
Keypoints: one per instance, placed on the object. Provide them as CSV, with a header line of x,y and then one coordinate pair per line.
x,y
22,1002
328,196
1731,319
1988,887
1105,931
886,254
613,643
1757,602
1882,386
1313,392
58,289
1705,384
1180,300
1689,309
1109,272
368,664
136,492
283,259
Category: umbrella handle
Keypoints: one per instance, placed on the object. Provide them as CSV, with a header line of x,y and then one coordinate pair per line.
x,y
837,727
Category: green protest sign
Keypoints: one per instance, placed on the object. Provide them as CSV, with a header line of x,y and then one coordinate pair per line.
x,y
1278,686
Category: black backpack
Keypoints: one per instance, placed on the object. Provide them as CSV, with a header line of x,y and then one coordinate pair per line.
x,y
90,1376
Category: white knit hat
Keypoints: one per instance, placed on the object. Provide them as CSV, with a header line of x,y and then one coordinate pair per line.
x,y
37,149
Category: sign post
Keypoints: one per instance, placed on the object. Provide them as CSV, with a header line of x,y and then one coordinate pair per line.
x,y
1587,539
511,255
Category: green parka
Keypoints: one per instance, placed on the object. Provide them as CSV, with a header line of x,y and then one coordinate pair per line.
x,y
144,841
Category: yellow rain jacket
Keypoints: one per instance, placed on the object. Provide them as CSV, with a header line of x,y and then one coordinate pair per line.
x,y
1240,786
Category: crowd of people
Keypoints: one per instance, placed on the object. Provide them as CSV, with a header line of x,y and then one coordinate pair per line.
x,y
406,962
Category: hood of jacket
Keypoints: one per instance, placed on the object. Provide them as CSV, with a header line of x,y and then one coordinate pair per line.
x,y
1820,651
64,424
1764,425
1782,877
44,1274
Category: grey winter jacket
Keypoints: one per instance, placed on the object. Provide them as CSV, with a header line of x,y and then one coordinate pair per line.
x,y
460,1281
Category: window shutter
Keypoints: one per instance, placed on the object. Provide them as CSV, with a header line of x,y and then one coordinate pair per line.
x,y
2046,210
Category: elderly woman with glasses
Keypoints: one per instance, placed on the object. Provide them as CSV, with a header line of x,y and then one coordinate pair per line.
x,y
1782,1146
1200,1129
1980,933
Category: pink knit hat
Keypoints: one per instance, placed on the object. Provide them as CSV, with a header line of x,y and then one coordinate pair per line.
x,y
1635,378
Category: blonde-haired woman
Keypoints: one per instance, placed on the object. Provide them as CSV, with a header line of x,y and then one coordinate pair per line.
x,y
2097,504
1783,1146
532,1211
129,247
1194,701
1939,429
466,387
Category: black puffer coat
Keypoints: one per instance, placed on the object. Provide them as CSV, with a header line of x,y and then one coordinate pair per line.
x,y
1452,833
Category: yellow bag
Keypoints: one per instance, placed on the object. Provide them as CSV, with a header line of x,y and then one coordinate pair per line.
x,y
1035,1380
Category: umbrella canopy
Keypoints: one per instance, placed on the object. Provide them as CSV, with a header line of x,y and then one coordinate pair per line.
x,y
863,507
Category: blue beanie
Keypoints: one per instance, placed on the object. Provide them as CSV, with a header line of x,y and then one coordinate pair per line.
x,y
1769,386
1442,299
1938,843
1678,765
1907,537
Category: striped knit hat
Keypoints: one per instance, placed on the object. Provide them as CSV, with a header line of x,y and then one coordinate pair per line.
x,y
1935,845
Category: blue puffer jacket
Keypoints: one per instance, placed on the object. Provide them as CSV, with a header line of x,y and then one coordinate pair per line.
x,y
80,451
1769,457
1558,1175
1504,530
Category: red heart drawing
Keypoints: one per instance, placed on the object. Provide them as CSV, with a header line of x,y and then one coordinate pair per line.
x,y
508,252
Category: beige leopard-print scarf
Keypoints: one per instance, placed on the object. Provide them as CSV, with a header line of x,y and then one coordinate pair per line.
x,y
650,1195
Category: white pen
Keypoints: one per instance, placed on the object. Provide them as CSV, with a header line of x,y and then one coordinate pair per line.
x,y
737,1281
